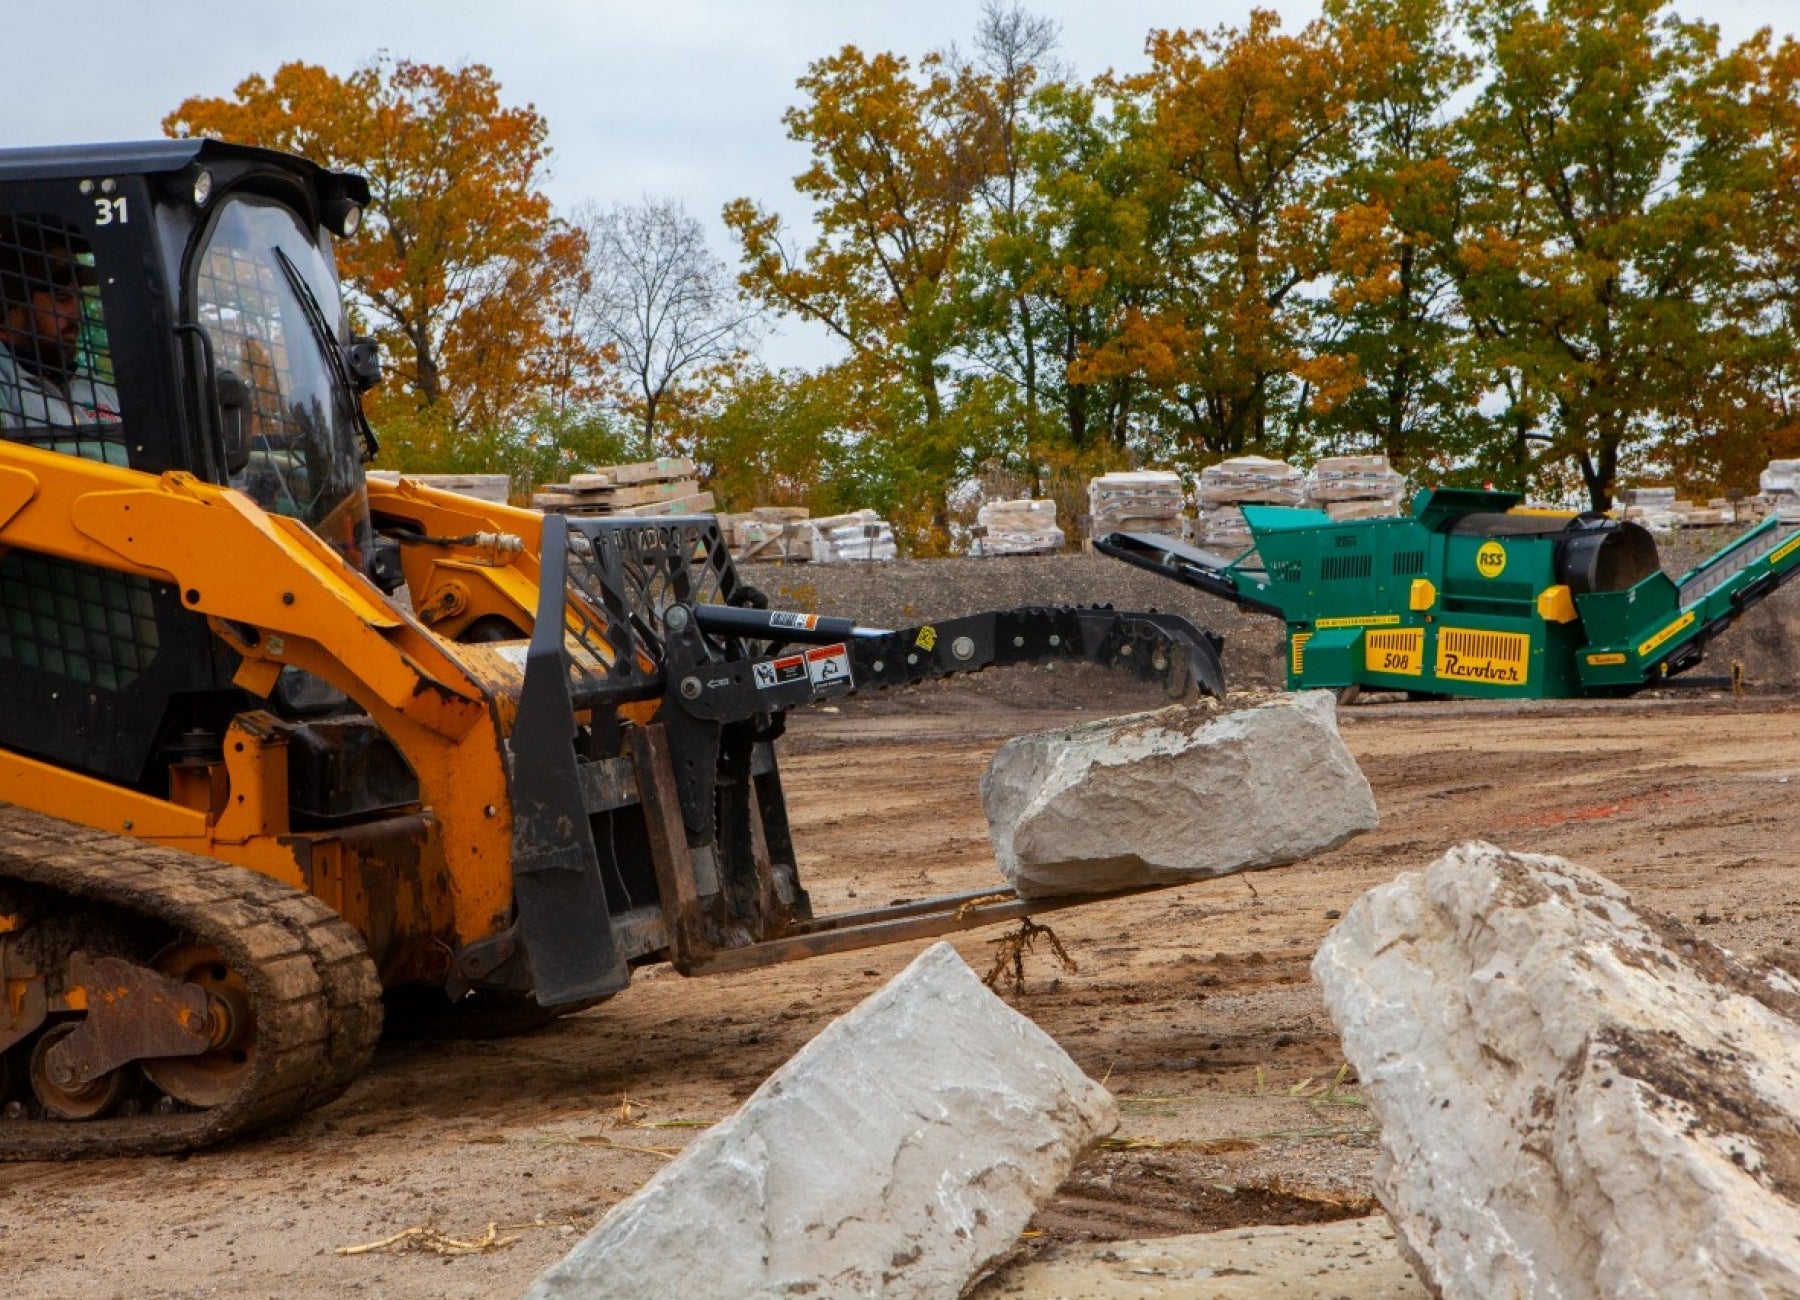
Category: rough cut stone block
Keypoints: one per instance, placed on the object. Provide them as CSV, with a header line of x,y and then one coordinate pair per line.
x,y
1576,1098
1174,795
896,1154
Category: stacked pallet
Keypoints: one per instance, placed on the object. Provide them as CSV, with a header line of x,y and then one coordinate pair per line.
x,y
665,486
1661,511
1356,487
1242,481
1023,527
1149,501
859,535
1781,489
780,534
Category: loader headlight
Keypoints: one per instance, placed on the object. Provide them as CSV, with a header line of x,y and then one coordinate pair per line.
x,y
343,217
202,189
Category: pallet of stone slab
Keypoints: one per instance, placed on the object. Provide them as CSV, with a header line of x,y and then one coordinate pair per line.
x,y
1022,527
771,541
1251,480
665,469
607,499
700,503
483,487
1353,478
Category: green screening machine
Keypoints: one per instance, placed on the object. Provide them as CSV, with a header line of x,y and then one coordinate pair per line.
x,y
1472,594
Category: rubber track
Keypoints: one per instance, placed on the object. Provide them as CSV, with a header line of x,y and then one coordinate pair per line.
x,y
315,991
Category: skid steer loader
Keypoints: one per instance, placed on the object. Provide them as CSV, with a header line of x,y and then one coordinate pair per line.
x,y
281,745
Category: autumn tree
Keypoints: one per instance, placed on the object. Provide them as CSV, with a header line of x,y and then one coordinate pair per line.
x,y
461,268
898,157
1749,411
660,305
1600,265
1236,135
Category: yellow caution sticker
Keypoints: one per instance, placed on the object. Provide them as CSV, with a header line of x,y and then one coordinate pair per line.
x,y
1607,660
1649,647
1469,655
927,637
1359,620
1297,649
1490,560
1401,652
1783,551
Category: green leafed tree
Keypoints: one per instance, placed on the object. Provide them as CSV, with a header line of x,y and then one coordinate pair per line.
x,y
1600,265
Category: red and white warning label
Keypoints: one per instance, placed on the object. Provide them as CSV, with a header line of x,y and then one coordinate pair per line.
x,y
829,665
779,672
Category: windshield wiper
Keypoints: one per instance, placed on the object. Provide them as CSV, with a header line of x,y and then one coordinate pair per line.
x,y
334,353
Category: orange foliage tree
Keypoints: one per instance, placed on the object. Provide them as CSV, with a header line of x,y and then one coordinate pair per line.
x,y
461,268
899,156
1236,134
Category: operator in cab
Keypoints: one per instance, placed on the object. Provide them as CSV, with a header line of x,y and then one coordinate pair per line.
x,y
48,385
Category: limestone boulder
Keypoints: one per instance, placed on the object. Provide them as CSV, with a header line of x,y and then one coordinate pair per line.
x,y
1179,794
896,1154
1576,1098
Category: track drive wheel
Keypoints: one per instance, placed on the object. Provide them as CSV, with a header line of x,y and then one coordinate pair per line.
x,y
217,1074
75,1101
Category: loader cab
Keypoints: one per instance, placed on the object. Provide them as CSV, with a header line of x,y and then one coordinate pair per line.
x,y
212,337
167,305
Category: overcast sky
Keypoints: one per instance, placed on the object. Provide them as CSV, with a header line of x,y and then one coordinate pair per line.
x,y
665,98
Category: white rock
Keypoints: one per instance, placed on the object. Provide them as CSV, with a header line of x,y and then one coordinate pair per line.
x,y
1575,1099
1174,795
896,1154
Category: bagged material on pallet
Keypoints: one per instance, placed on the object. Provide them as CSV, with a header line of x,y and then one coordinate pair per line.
x,y
1251,480
1241,481
1222,528
1354,478
1380,508
1145,501
1023,527
859,535
1782,477
1649,497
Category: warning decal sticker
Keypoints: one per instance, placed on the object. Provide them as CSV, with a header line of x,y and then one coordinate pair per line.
x,y
829,665
779,672
781,618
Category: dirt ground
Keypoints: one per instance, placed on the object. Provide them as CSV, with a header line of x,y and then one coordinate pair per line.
x,y
1194,1005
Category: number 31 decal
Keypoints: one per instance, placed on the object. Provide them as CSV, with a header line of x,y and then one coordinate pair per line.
x,y
107,211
